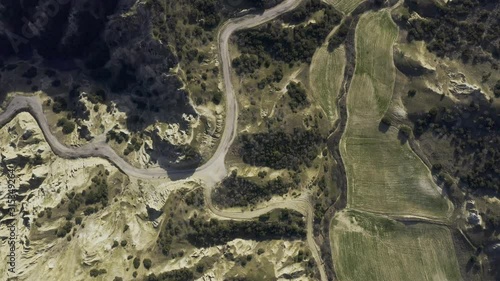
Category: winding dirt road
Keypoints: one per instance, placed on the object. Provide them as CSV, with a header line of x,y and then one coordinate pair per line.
x,y
214,170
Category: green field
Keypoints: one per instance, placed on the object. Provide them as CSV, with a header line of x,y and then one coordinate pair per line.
x,y
367,247
345,6
384,175
326,76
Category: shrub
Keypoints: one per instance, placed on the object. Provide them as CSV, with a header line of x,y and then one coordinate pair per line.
x,y
340,36
217,98
386,121
298,95
59,105
136,262
405,131
496,89
98,97
147,263
94,272
67,126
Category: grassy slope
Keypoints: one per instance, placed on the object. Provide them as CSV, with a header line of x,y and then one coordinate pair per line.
x,y
326,75
345,6
383,175
367,247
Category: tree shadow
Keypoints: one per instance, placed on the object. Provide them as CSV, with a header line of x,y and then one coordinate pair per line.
x,y
383,127
163,153
402,137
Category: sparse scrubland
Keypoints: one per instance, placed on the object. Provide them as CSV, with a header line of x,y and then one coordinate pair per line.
x,y
403,98
269,53
277,43
456,45
202,232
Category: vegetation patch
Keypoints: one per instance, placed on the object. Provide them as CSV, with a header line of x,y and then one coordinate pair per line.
x,y
475,142
326,76
296,44
297,95
279,150
67,126
386,176
235,191
466,29
367,247
183,274
199,230
339,37
217,232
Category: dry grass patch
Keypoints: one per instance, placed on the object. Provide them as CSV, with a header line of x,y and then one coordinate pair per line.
x,y
326,76
345,6
368,247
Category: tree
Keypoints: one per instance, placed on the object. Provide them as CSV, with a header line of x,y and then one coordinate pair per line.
x,y
217,98
147,263
405,131
386,121
298,95
136,262
59,105
67,126
496,89
94,272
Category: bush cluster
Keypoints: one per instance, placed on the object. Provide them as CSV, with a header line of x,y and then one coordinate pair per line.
x,y
291,45
298,96
279,150
475,140
465,27
237,191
